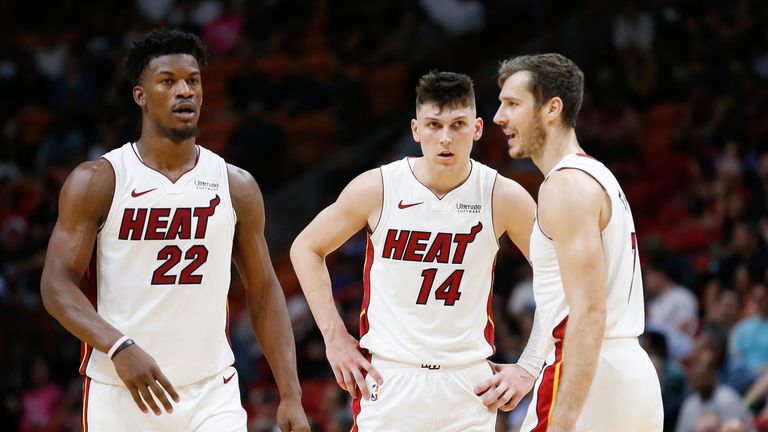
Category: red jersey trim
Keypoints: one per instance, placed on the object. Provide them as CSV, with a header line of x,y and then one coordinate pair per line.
x,y
489,332
364,324
112,202
197,159
89,288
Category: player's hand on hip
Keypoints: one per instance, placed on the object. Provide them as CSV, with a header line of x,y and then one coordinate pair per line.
x,y
348,362
143,378
290,416
506,387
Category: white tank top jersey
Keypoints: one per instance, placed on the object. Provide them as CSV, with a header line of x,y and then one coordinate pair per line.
x,y
429,271
163,260
624,286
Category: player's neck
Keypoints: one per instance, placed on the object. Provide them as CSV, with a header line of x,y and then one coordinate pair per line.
x,y
441,179
559,144
165,155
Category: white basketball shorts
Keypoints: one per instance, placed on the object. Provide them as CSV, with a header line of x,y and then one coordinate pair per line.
x,y
209,405
424,398
625,394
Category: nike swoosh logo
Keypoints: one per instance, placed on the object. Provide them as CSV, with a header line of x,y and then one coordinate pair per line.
x,y
400,205
138,194
226,380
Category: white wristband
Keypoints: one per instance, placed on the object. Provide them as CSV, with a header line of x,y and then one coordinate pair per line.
x,y
115,345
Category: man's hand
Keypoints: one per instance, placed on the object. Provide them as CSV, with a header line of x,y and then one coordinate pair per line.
x,y
506,387
290,415
347,361
143,377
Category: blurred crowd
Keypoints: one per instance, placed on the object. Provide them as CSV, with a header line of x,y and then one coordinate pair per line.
x,y
676,105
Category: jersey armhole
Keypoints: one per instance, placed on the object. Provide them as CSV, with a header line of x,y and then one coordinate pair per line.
x,y
610,199
496,235
369,229
225,175
106,220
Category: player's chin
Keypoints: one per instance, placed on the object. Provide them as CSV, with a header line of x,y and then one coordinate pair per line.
x,y
517,153
184,132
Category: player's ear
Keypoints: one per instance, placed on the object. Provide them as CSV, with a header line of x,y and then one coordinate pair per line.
x,y
138,96
553,108
415,130
478,129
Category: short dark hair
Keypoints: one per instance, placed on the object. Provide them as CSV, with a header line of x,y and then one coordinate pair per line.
x,y
445,89
159,42
551,75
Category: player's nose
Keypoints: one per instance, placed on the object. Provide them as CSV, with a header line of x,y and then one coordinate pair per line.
x,y
445,136
498,118
183,90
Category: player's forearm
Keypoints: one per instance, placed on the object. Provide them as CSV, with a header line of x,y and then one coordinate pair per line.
x,y
272,326
69,306
534,354
316,284
581,350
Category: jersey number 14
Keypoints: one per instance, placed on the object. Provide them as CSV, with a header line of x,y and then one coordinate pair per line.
x,y
448,291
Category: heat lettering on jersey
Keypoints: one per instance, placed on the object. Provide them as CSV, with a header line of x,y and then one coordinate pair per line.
x,y
406,245
166,223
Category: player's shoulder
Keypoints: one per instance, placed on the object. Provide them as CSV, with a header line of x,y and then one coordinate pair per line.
x,y
96,174
364,192
570,184
89,189
507,190
568,197
238,177
367,180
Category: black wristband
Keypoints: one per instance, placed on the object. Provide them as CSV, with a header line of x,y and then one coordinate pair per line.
x,y
124,345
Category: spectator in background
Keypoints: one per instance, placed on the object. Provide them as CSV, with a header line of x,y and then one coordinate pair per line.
x,y
40,400
750,336
709,396
723,306
670,302
672,310
731,371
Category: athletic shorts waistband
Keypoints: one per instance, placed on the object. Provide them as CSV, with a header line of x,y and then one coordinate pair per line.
x,y
384,363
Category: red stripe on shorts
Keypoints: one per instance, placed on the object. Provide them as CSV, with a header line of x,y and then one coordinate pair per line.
x,y
356,408
545,399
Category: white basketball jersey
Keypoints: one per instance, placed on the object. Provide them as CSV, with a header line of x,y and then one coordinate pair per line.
x,y
624,285
429,270
163,260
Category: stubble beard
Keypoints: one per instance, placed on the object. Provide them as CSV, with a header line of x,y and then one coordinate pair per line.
x,y
182,133
534,143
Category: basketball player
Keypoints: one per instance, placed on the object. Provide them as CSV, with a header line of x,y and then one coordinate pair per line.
x,y
433,224
586,282
166,218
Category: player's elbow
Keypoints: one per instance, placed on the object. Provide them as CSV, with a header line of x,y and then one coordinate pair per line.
x,y
302,250
299,252
593,315
48,292
298,248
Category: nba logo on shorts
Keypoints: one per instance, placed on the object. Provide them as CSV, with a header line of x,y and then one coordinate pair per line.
x,y
374,392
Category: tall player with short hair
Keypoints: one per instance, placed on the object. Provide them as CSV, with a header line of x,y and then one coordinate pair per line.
x,y
163,219
433,224
586,268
